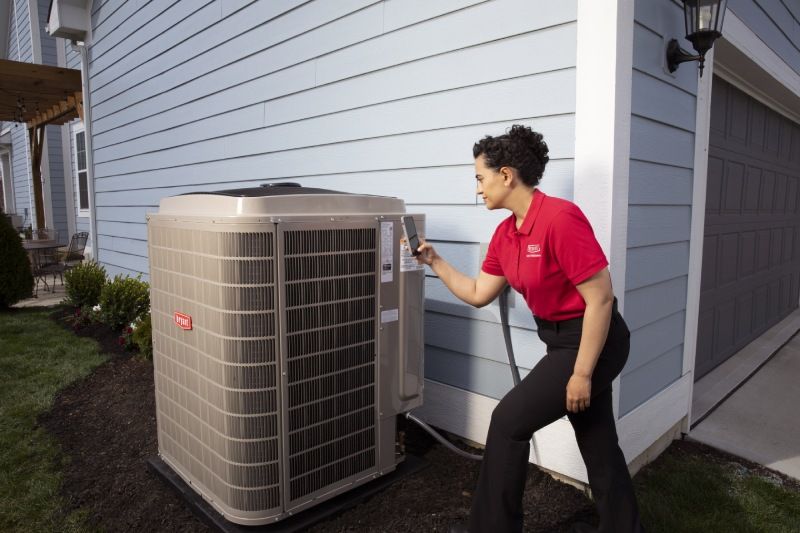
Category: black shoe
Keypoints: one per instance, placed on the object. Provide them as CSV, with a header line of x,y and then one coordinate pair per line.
x,y
458,527
583,527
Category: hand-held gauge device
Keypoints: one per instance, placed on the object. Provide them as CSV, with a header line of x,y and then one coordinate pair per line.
x,y
412,239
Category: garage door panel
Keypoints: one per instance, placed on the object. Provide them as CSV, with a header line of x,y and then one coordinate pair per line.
x,y
760,307
737,118
762,257
728,258
708,277
794,152
744,316
788,244
791,195
751,190
758,119
726,326
780,194
772,134
786,141
776,246
747,254
733,186
751,250
767,196
714,190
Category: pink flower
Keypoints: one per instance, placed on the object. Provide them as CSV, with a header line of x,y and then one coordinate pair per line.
x,y
129,330
121,341
78,311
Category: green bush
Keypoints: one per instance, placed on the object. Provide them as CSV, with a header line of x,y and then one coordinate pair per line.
x,y
143,336
83,284
123,300
16,278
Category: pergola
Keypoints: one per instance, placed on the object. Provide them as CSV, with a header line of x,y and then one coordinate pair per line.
x,y
38,95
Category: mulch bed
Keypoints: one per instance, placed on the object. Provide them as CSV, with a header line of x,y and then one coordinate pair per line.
x,y
106,427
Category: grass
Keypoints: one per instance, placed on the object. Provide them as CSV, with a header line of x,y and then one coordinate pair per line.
x,y
37,358
690,493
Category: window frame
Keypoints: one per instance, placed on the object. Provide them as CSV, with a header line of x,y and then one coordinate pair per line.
x,y
82,212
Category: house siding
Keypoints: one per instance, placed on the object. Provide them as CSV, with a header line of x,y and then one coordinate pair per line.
x,y
776,22
20,49
663,109
379,97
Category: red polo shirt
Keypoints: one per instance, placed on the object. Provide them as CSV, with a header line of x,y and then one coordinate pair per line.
x,y
554,250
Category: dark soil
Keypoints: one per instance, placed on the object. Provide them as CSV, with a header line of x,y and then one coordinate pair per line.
x,y
106,427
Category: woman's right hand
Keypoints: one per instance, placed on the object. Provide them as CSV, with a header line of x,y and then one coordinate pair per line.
x,y
427,254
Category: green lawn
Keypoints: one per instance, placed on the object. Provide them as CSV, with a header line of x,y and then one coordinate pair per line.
x,y
688,492
37,358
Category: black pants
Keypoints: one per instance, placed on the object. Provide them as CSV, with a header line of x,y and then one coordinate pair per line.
x,y
537,401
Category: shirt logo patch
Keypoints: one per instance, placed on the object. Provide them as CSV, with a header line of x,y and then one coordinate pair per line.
x,y
534,250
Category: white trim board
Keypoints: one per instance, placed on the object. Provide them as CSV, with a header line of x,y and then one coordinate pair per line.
x,y
643,426
699,185
604,72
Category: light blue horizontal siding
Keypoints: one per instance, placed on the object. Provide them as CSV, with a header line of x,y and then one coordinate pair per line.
x,y
20,36
490,378
359,95
648,380
663,110
776,22
48,44
290,94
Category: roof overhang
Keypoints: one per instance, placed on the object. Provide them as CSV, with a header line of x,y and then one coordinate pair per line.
x,y
39,94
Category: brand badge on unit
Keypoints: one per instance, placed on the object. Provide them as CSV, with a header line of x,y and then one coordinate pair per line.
x,y
534,250
183,321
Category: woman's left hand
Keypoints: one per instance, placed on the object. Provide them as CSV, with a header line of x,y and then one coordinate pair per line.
x,y
579,393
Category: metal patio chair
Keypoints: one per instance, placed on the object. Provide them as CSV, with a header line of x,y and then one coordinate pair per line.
x,y
72,256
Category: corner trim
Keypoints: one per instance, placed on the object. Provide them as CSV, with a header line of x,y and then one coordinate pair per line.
x,y
603,130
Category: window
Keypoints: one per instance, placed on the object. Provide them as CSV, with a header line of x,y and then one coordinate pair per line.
x,y
81,171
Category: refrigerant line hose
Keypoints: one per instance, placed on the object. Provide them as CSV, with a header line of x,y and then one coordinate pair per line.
x,y
512,363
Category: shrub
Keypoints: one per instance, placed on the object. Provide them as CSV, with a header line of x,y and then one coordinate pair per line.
x,y
143,336
16,278
83,284
123,300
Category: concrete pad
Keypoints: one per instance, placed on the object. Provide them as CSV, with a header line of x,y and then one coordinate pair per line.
x,y
759,421
45,297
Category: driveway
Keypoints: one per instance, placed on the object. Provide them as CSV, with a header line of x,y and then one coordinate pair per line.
x,y
759,420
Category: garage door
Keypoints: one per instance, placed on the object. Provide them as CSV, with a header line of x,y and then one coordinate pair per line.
x,y
751,251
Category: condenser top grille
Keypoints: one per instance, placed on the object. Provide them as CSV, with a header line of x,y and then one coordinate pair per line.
x,y
277,200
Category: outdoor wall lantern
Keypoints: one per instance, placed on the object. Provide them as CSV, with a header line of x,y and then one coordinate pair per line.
x,y
703,26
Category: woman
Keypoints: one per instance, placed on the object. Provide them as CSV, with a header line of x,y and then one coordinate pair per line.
x,y
547,251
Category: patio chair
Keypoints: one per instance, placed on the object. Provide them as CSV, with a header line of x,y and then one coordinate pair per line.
x,y
71,257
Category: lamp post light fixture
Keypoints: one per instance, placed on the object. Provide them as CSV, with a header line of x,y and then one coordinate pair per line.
x,y
703,26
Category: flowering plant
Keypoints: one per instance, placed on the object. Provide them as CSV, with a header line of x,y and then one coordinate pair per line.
x,y
126,337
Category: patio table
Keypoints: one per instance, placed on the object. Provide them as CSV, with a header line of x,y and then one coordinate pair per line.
x,y
37,250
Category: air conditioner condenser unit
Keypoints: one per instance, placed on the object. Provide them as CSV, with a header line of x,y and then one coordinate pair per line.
x,y
287,337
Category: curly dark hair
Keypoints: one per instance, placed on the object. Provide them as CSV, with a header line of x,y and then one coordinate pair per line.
x,y
521,148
